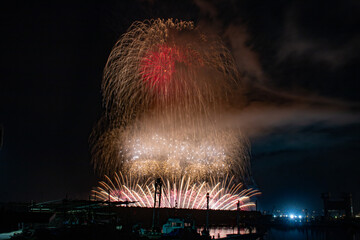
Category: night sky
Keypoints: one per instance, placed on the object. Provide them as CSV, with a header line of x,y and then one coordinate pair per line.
x,y
300,63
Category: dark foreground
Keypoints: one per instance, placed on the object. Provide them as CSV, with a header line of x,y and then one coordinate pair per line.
x,y
100,220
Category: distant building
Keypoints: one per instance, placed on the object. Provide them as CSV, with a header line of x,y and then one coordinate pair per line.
x,y
338,205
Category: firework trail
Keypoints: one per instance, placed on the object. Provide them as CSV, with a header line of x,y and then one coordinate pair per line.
x,y
166,86
162,67
179,193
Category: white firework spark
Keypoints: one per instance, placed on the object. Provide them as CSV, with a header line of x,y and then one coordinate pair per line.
x,y
166,86
179,193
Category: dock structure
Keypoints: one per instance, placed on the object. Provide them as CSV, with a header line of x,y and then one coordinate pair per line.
x,y
123,211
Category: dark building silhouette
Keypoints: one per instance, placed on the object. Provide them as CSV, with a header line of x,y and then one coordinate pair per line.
x,y
343,203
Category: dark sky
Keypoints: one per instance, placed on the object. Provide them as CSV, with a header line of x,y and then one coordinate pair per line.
x,y
300,62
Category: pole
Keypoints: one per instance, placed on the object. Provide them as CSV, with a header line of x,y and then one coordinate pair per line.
x,y
88,220
238,217
207,212
154,213
109,204
159,200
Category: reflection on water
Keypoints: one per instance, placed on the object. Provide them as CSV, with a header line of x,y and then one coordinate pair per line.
x,y
335,233
221,232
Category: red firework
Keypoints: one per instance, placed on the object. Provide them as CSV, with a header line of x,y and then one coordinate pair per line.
x,y
158,66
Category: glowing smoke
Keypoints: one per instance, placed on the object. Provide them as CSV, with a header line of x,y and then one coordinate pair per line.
x,y
166,86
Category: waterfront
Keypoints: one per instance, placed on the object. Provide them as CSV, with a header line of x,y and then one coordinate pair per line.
x,y
116,117
222,232
264,232
310,233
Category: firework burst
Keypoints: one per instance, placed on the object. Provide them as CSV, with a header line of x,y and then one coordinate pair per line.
x,y
177,193
162,67
166,85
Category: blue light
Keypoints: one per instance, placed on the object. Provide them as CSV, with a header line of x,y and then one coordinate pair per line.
x,y
300,216
291,216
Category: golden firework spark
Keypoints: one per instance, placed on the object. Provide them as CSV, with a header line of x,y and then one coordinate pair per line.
x,y
166,86
177,193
